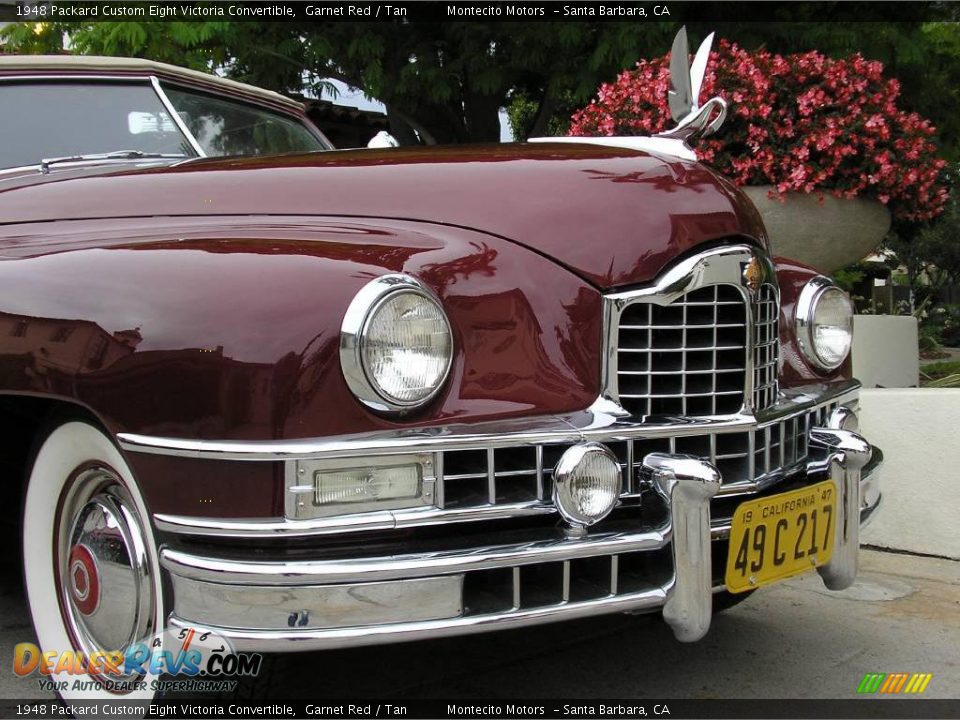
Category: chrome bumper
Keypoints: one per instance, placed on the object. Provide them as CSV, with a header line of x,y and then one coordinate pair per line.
x,y
331,603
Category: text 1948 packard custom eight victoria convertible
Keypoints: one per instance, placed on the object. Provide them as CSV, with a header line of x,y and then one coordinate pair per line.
x,y
319,399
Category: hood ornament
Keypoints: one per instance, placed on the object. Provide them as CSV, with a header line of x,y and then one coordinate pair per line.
x,y
693,119
683,98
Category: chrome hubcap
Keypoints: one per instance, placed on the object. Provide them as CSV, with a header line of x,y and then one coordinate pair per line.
x,y
105,588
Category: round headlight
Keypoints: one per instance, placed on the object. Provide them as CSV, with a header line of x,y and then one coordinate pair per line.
x,y
586,483
395,344
824,323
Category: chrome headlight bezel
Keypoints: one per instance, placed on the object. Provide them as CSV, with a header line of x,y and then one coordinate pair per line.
x,y
353,331
807,303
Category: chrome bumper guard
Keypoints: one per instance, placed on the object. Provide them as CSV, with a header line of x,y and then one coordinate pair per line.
x,y
316,604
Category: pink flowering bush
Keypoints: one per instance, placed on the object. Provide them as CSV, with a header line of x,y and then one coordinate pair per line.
x,y
802,123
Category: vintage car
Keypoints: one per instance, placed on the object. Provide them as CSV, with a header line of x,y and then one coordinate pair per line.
x,y
313,399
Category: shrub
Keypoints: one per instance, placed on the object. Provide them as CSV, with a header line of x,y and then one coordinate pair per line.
x,y
801,122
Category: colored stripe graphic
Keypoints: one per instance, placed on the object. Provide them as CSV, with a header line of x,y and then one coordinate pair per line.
x,y
923,680
894,683
871,683
900,683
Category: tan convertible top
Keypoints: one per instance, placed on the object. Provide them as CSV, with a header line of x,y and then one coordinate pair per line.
x,y
89,64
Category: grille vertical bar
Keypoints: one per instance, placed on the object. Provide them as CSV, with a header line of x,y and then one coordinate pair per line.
x,y
766,326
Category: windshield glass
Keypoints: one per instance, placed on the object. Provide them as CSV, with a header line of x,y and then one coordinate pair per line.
x,y
227,127
57,119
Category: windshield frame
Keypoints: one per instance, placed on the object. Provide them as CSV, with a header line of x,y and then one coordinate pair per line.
x,y
156,83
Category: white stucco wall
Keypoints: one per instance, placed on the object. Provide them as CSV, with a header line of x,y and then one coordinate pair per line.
x,y
884,351
919,433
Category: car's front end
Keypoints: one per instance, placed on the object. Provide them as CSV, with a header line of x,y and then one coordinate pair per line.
x,y
626,505
355,398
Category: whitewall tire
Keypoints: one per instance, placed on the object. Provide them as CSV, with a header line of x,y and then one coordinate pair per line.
x,y
90,559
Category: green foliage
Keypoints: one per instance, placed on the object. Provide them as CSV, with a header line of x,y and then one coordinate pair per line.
x,y
447,80
950,381
930,252
942,324
849,277
928,340
941,374
522,115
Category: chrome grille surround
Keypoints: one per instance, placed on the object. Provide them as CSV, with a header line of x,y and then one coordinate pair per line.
x,y
681,347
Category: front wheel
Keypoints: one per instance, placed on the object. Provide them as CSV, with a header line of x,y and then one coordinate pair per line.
x,y
91,569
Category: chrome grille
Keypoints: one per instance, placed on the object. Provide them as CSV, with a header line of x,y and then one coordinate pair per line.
x,y
539,585
523,475
766,314
684,358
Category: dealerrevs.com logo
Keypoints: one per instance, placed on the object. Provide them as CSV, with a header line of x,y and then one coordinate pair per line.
x,y
196,659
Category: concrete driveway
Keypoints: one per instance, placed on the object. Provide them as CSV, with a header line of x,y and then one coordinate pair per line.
x,y
794,640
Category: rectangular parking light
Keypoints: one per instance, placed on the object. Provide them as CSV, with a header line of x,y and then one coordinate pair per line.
x,y
370,484
321,488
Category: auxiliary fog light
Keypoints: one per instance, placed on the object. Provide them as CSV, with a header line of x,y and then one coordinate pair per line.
x,y
587,484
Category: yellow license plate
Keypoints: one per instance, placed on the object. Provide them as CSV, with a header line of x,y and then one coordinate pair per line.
x,y
780,536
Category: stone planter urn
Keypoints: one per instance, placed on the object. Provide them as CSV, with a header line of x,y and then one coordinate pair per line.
x,y
827,235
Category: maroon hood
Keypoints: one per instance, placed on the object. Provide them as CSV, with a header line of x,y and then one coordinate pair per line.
x,y
613,216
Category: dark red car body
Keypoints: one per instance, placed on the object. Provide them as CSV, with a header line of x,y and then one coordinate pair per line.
x,y
621,375
213,277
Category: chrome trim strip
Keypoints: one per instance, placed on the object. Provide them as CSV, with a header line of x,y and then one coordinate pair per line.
x,y
386,520
320,606
79,78
302,640
100,162
400,567
175,116
593,423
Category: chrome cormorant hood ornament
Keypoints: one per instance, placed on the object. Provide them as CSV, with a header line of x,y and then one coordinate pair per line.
x,y
684,96
693,119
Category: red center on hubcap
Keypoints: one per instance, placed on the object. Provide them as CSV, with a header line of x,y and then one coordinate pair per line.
x,y
85,580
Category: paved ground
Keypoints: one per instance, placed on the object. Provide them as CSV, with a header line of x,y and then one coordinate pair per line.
x,y
795,640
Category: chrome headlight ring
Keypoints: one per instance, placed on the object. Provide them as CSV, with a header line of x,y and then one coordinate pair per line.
x,y
814,293
355,344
